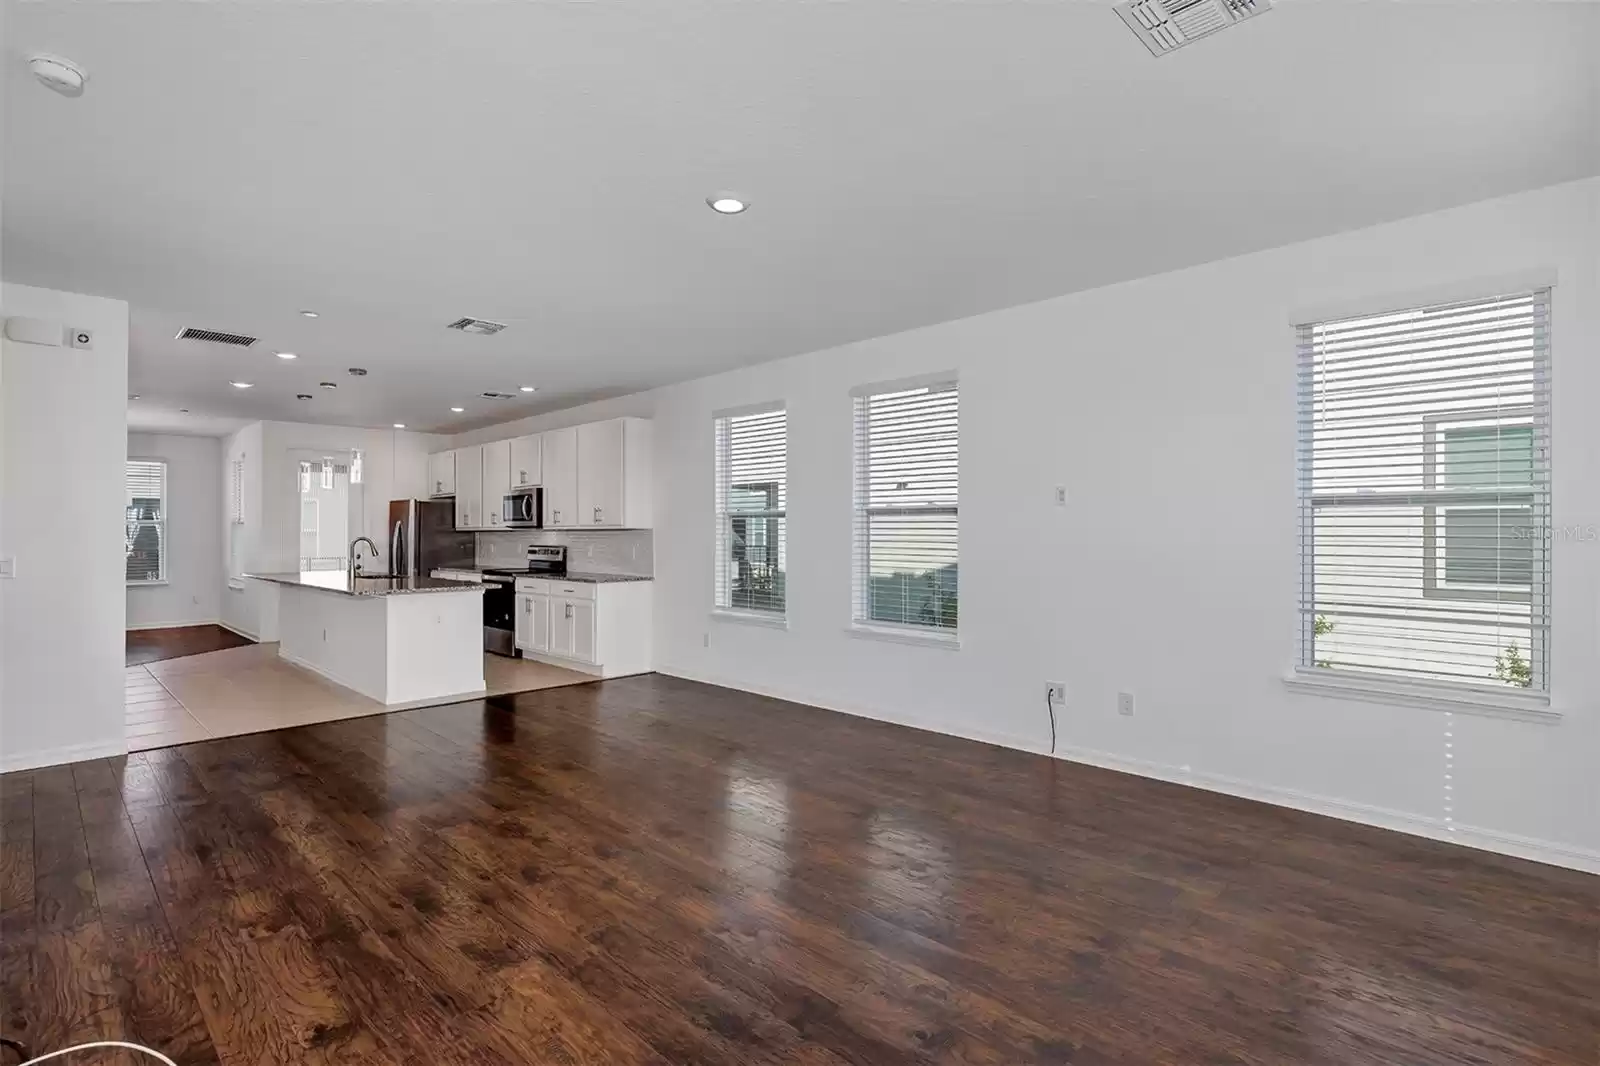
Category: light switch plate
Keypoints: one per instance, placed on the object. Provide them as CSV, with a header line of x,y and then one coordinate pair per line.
x,y
8,567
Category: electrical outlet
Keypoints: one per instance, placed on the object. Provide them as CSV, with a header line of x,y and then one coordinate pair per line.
x,y
1061,495
1056,692
1125,703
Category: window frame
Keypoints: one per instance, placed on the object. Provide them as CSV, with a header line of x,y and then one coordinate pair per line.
x,y
163,577
1471,697
722,605
1434,585
861,621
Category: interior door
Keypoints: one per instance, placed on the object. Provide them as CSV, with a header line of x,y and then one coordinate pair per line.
x,y
560,448
600,473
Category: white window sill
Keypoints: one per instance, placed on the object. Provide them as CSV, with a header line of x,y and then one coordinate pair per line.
x,y
751,618
906,635
1458,699
147,584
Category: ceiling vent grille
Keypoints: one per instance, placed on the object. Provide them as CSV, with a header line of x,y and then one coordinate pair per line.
x,y
499,396
1167,25
216,337
477,325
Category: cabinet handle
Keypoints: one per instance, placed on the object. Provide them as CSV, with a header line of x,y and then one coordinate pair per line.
x,y
523,477
569,610
597,514
555,516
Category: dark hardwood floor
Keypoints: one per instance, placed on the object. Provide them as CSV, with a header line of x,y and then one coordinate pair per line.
x,y
152,645
655,871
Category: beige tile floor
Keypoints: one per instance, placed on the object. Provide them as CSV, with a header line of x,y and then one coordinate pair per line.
x,y
249,689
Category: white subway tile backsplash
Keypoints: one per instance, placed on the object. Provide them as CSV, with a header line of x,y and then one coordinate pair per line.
x,y
616,551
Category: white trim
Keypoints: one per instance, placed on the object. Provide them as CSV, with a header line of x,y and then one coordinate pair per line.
x,y
1479,288
766,408
245,633
1550,852
147,584
949,640
919,381
68,754
1459,699
762,619
173,625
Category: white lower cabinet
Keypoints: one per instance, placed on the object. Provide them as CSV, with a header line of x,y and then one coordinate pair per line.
x,y
602,629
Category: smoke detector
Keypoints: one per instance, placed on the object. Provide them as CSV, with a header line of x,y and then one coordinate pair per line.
x,y
1167,25
477,325
58,75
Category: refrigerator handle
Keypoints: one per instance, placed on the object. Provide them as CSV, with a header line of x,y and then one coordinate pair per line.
x,y
401,567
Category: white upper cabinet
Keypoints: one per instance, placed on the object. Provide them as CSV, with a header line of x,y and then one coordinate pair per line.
x,y
560,476
614,487
469,488
526,465
496,481
442,474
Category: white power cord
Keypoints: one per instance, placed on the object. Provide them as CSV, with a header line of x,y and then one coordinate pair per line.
x,y
102,1043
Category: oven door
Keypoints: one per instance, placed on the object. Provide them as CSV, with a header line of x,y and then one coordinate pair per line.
x,y
523,510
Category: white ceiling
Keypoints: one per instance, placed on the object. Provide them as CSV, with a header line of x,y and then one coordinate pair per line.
x,y
398,166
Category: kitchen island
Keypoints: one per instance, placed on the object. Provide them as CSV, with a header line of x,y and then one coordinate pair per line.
x,y
403,641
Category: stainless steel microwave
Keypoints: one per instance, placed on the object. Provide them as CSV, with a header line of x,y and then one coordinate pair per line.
x,y
523,510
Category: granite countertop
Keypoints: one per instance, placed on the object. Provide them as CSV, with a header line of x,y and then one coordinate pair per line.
x,y
593,579
337,581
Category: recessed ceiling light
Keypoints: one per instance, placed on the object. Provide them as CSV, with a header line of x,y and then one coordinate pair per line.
x,y
302,396
527,388
328,384
241,384
287,355
399,425
457,410
309,314
724,204
183,410
358,372
135,396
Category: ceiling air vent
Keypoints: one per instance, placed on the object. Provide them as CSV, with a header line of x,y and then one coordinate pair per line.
x,y
215,337
477,325
1167,25
498,396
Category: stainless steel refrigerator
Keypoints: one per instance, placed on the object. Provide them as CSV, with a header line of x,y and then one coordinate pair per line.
x,y
423,538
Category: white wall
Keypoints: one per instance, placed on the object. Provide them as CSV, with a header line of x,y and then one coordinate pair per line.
x,y
196,563
63,438
1166,406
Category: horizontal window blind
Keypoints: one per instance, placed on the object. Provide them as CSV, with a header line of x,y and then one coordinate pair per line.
x,y
1425,492
145,548
752,472
906,507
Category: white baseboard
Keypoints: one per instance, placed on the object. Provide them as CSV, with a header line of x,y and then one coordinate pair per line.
x,y
33,760
1550,852
173,625
245,633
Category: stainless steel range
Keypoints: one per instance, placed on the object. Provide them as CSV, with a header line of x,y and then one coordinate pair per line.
x,y
500,595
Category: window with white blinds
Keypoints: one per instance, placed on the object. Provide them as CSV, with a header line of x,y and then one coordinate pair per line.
x,y
1424,466
906,520
752,472
145,542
